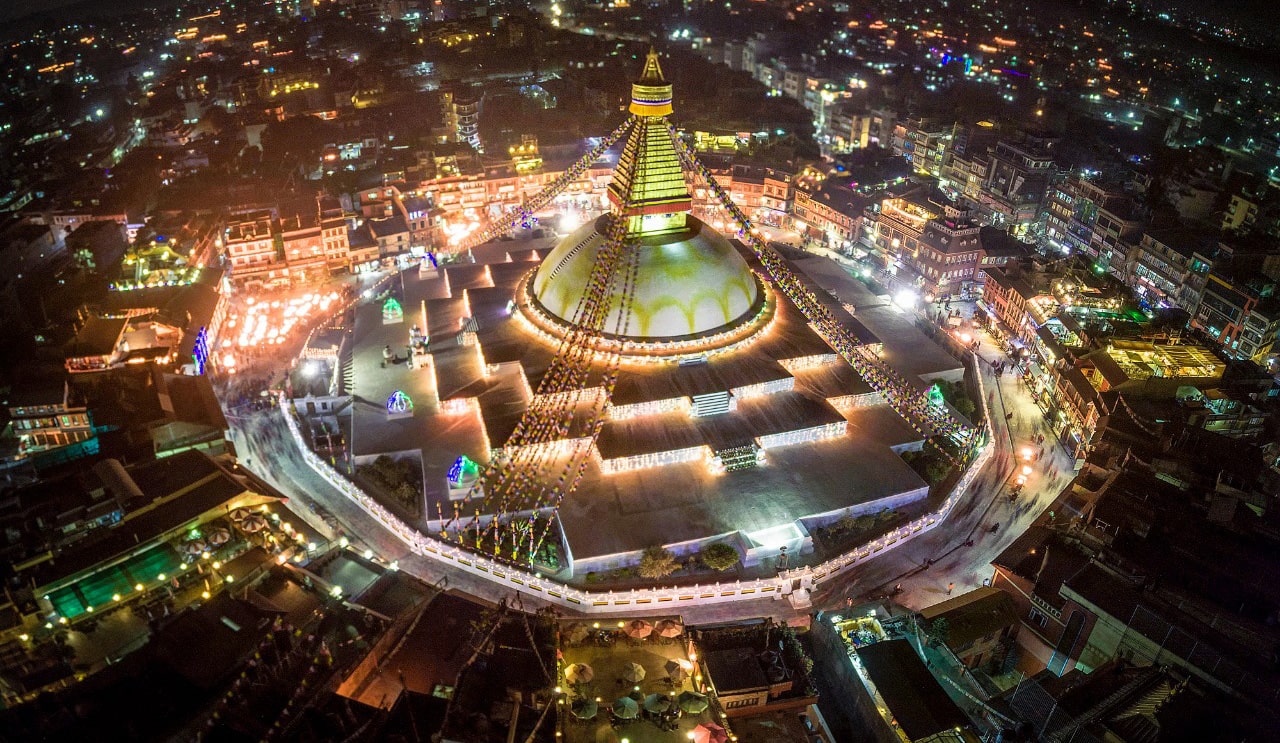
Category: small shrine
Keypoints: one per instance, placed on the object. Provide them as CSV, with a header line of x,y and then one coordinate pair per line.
x,y
392,312
399,405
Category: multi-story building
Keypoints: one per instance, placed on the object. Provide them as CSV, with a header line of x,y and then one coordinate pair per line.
x,y
1033,571
460,107
1241,214
251,249
1235,315
1170,267
831,213
49,424
925,143
847,127
1097,219
966,173
110,535
1253,208
763,194
391,234
1017,178
897,226
1112,586
302,244
979,625
364,251
335,234
948,256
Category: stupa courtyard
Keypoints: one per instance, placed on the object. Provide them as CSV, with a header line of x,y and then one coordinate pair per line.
x,y
643,381
830,446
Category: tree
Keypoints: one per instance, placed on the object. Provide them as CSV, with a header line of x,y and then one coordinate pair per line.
x,y
936,469
940,629
719,556
657,562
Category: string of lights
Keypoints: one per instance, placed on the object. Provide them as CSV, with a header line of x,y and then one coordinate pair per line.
x,y
518,478
524,213
914,407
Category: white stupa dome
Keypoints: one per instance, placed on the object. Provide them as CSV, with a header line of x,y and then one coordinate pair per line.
x,y
690,282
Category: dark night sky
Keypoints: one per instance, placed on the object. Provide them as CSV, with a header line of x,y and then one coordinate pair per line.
x,y
10,9
1247,10
19,8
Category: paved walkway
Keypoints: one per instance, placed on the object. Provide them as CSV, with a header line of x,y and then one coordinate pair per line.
x,y
986,504
267,449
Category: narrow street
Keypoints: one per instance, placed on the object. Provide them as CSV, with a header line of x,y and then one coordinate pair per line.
x,y
1017,421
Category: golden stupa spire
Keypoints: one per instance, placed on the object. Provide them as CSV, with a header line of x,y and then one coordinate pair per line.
x,y
651,94
649,187
652,73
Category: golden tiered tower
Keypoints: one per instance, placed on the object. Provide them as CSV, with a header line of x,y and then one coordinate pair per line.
x,y
691,283
649,177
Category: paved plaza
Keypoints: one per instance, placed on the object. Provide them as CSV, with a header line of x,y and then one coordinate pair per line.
x,y
484,361
906,347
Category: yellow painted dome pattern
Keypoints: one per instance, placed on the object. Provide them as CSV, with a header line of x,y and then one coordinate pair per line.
x,y
690,283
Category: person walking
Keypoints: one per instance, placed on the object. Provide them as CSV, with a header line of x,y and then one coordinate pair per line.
x,y
951,587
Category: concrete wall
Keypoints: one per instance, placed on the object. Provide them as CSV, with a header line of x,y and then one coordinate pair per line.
x,y
793,585
830,652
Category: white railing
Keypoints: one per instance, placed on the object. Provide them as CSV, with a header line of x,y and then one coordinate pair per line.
x,y
643,600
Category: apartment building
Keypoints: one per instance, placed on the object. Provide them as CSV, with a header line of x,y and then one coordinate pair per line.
x,y
1017,177
926,143
1170,267
1237,316
1097,219
831,213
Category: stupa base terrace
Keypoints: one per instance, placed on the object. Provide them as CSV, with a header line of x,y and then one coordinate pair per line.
x,y
753,441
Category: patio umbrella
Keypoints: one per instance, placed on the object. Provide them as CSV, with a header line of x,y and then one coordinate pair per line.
x,y
670,628
579,673
253,522
633,672
692,702
677,669
657,703
625,708
195,546
577,633
709,732
584,708
219,537
638,628
239,514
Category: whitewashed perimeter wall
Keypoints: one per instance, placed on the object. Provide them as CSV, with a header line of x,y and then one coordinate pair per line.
x,y
793,584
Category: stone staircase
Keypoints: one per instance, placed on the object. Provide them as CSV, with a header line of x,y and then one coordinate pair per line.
x,y
711,403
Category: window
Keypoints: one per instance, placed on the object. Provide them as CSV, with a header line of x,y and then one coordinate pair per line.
x,y
1038,619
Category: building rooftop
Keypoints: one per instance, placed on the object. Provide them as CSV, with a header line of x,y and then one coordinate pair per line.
x,y
97,337
974,614
914,698
158,497
735,670
387,226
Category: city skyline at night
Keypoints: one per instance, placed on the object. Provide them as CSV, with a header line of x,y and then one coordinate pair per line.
x,y
640,371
